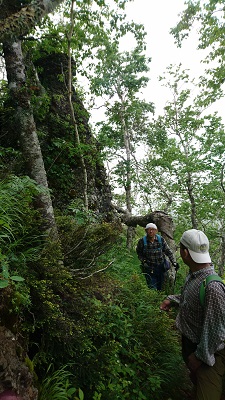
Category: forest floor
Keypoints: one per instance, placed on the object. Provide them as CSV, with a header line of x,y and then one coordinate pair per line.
x,y
190,395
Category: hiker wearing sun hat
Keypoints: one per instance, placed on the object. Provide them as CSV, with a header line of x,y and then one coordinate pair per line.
x,y
151,251
197,244
202,326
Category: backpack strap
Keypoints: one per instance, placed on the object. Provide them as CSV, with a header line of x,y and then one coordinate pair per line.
x,y
158,237
204,284
145,240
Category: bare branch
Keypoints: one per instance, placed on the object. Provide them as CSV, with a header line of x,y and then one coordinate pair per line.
x,y
96,272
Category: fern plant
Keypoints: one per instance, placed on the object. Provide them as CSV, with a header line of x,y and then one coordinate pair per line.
x,y
19,235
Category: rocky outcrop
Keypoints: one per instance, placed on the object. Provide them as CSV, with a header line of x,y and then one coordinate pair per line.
x,y
16,381
58,141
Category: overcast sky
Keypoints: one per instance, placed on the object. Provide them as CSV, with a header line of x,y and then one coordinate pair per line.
x,y
159,17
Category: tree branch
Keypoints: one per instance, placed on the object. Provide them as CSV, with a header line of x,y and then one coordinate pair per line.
x,y
222,175
20,22
96,272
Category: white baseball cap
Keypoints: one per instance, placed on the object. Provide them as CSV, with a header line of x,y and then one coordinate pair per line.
x,y
197,244
150,225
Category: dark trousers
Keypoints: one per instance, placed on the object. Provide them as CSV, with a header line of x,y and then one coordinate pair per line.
x,y
155,277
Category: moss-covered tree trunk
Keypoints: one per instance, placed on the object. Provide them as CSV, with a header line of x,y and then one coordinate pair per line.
x,y
17,18
20,99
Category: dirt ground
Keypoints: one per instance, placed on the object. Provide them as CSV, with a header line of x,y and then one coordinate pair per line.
x,y
190,395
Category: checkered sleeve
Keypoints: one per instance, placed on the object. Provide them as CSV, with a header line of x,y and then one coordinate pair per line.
x,y
140,249
213,329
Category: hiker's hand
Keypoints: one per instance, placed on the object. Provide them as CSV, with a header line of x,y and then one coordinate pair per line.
x,y
145,264
165,305
193,362
176,266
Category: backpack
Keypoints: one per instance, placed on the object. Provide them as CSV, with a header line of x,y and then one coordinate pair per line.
x,y
158,237
166,262
204,285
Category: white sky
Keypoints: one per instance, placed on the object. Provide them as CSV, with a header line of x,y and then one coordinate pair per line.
x,y
158,17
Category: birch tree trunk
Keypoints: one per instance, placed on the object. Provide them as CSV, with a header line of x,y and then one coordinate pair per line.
x,y
127,184
127,145
192,201
29,142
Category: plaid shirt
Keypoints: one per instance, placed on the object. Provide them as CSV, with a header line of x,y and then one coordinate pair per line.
x,y
204,326
154,252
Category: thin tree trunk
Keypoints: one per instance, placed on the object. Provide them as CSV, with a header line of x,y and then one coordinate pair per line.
x,y
189,176
77,136
192,201
27,129
130,231
126,139
222,260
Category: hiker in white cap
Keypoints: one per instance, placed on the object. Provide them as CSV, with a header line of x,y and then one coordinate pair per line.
x,y
151,251
202,325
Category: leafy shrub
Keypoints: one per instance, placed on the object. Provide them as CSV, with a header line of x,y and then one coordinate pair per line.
x,y
94,311
108,324
84,244
134,351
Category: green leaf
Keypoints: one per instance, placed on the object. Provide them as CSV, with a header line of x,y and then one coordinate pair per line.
x,y
5,271
81,394
17,278
71,391
3,283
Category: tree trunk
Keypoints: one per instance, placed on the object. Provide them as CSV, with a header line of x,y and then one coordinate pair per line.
x,y
192,201
131,231
222,261
127,183
74,121
163,221
17,19
29,142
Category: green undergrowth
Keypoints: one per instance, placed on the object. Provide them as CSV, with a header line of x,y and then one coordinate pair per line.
x,y
104,323
90,311
128,348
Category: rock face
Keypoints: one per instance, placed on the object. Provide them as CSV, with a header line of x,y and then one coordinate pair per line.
x,y
56,133
58,140
16,381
